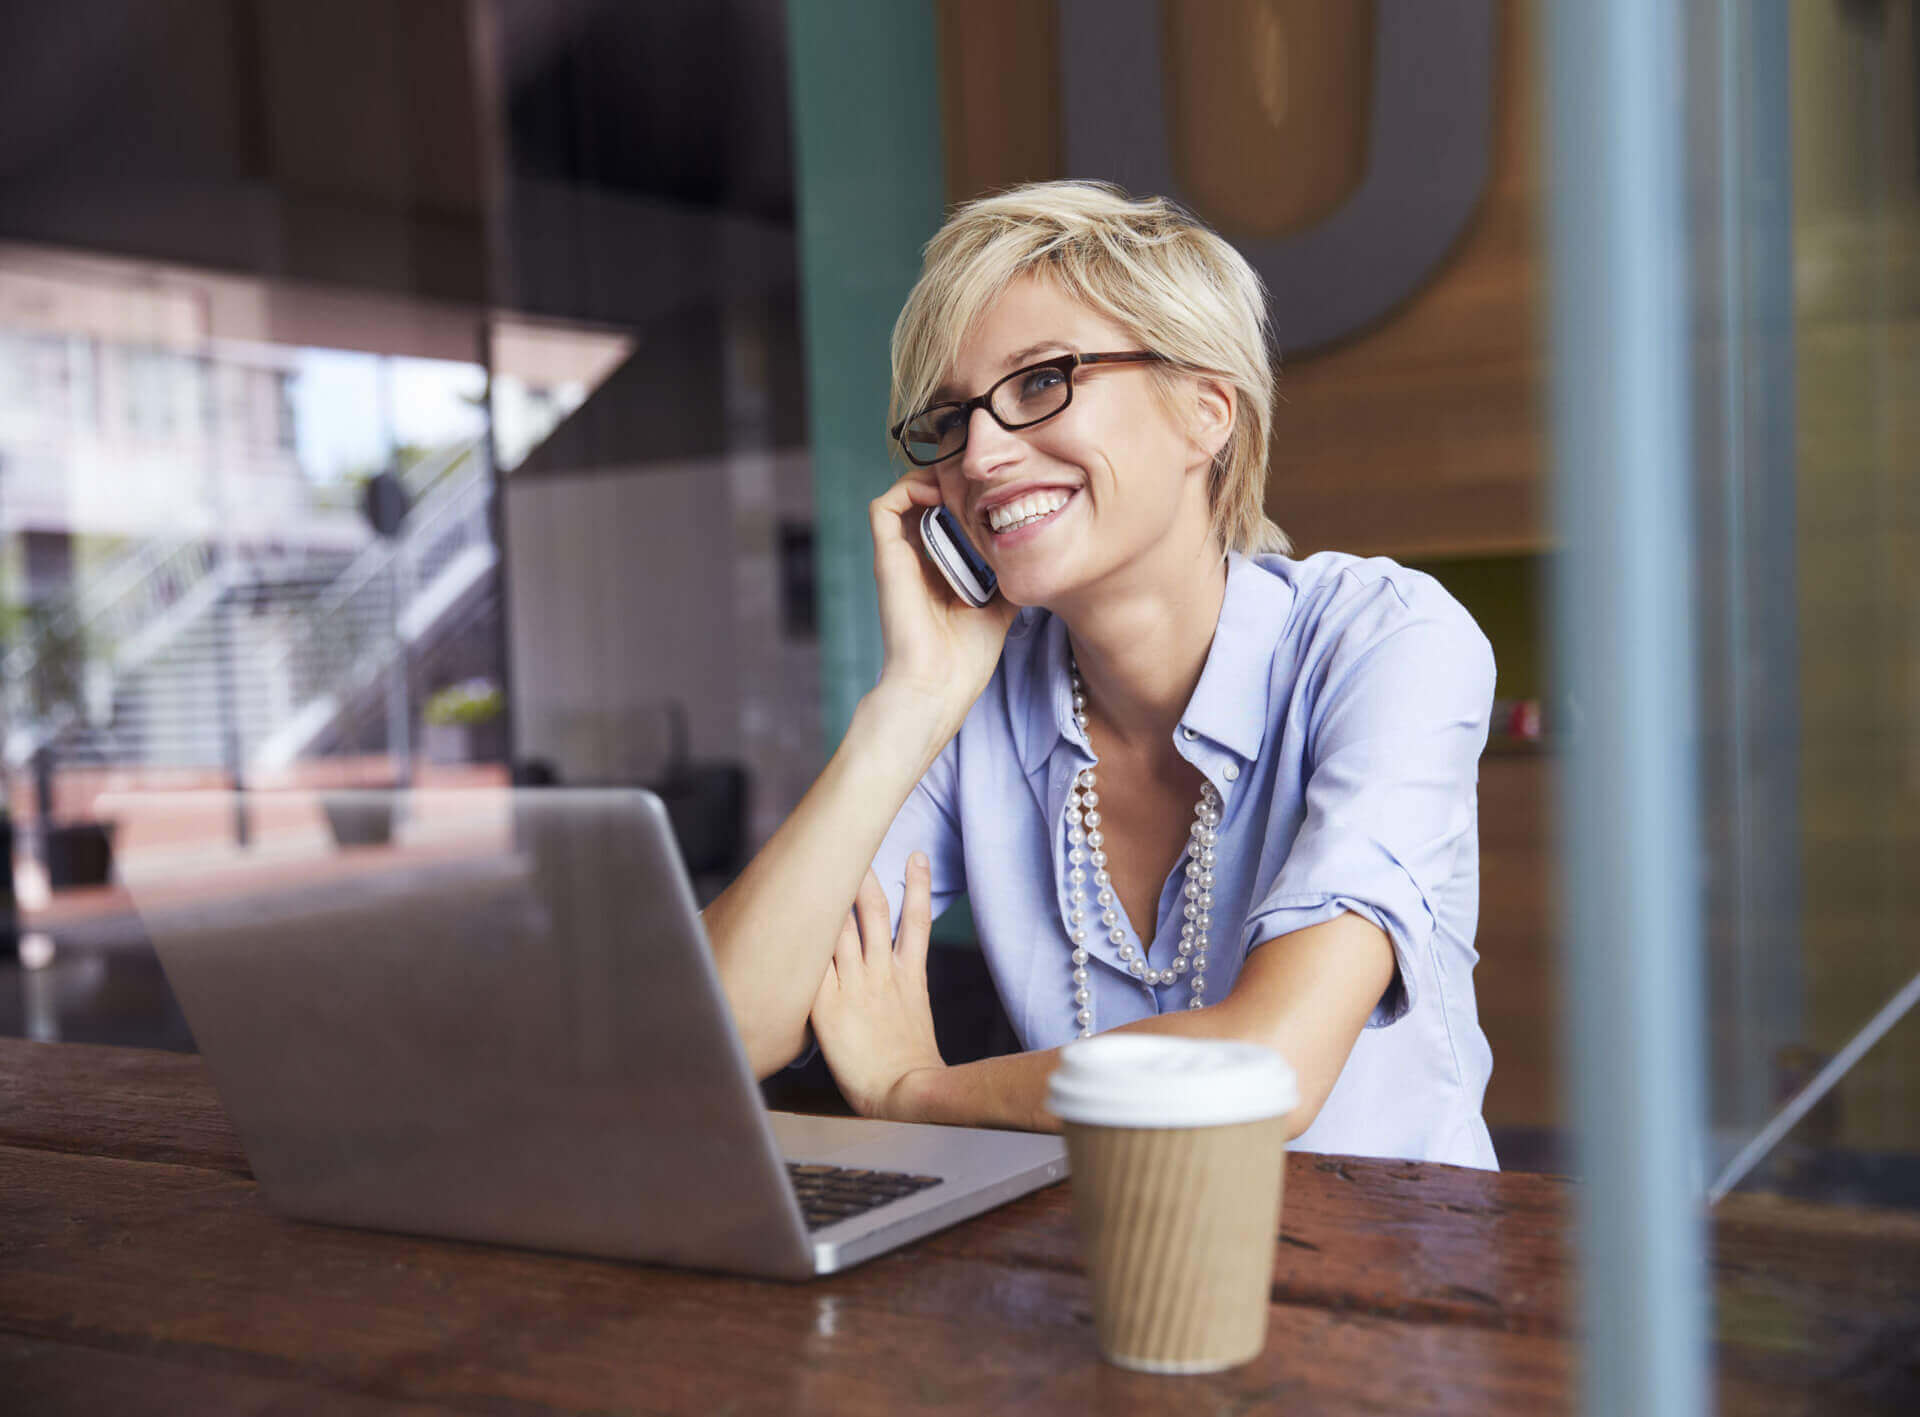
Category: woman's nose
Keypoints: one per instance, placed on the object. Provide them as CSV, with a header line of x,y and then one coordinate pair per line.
x,y
989,446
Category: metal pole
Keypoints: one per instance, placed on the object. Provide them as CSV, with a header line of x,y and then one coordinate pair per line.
x,y
497,529
1615,166
399,725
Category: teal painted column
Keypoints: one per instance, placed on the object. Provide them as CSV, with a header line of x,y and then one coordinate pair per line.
x,y
869,181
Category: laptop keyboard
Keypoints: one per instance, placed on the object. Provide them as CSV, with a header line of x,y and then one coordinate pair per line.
x,y
831,1194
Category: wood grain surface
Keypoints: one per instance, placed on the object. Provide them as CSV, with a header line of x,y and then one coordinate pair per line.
x,y
142,1271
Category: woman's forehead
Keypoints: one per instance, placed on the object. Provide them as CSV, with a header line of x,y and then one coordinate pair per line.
x,y
1029,320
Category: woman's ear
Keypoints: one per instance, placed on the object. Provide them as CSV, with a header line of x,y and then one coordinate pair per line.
x,y
1214,407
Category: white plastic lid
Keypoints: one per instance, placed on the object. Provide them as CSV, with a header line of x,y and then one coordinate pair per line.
x,y
1146,1080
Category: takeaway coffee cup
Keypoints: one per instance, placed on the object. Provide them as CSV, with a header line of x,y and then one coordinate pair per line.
x,y
1177,1148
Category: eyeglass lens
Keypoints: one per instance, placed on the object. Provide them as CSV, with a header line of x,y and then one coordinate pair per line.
x,y
1023,397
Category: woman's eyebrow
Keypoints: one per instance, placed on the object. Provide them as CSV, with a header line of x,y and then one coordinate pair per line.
x,y
946,392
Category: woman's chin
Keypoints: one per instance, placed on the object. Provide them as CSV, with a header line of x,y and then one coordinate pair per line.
x,y
1032,585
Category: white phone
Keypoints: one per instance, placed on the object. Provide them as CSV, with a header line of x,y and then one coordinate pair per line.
x,y
947,547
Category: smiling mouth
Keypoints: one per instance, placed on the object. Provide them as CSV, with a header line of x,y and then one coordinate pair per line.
x,y
1027,511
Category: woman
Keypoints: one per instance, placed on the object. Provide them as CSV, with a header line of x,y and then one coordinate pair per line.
x,y
1190,785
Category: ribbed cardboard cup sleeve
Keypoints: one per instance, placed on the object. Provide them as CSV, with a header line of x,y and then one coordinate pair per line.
x,y
1179,1226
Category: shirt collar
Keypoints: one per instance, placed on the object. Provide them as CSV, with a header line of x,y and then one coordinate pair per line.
x,y
1229,704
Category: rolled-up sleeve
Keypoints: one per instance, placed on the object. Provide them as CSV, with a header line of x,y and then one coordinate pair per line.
x,y
1394,745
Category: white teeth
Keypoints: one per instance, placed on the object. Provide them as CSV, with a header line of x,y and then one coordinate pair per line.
x,y
1021,510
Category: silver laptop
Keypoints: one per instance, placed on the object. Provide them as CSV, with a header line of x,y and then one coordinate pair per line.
x,y
493,1015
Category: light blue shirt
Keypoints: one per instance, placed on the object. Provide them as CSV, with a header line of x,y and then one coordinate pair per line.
x,y
1340,715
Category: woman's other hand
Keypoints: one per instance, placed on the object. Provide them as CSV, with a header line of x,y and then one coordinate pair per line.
x,y
935,643
871,1014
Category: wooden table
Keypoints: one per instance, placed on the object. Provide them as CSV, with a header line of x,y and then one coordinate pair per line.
x,y
140,1271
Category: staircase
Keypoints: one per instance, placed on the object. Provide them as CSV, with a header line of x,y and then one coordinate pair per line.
x,y
263,652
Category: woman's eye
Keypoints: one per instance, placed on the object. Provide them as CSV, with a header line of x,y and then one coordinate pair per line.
x,y
1040,381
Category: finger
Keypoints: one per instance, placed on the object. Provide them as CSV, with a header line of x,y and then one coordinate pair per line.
x,y
916,913
846,949
876,920
916,486
829,986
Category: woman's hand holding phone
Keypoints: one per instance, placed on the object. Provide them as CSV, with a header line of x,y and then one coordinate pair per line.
x,y
936,645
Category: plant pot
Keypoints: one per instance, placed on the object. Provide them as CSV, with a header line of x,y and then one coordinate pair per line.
x,y
484,742
79,854
448,743
359,821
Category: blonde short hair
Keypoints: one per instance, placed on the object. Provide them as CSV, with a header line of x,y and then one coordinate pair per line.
x,y
1149,266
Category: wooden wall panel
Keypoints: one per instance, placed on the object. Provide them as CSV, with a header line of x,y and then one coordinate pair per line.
x,y
1422,437
1515,983
1857,357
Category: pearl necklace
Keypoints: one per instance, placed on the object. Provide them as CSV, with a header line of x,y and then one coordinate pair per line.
x,y
1085,843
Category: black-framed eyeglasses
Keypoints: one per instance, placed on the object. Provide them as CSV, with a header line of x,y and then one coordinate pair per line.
x,y
1025,397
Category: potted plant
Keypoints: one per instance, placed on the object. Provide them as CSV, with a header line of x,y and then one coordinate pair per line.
x,y
47,703
464,723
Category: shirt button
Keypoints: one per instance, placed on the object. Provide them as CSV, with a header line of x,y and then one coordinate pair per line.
x,y
1230,772
1190,733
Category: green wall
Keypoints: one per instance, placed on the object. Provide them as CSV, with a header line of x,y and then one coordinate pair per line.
x,y
869,181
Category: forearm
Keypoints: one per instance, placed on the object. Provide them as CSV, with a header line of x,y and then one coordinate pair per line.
x,y
1306,995
1010,1092
773,929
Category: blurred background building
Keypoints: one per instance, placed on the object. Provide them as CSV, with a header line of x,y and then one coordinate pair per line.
x,y
598,293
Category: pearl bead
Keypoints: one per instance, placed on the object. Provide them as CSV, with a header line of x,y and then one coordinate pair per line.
x,y
1076,916
1084,822
1079,935
1077,896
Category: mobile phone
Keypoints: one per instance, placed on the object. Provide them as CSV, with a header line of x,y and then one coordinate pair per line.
x,y
947,547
